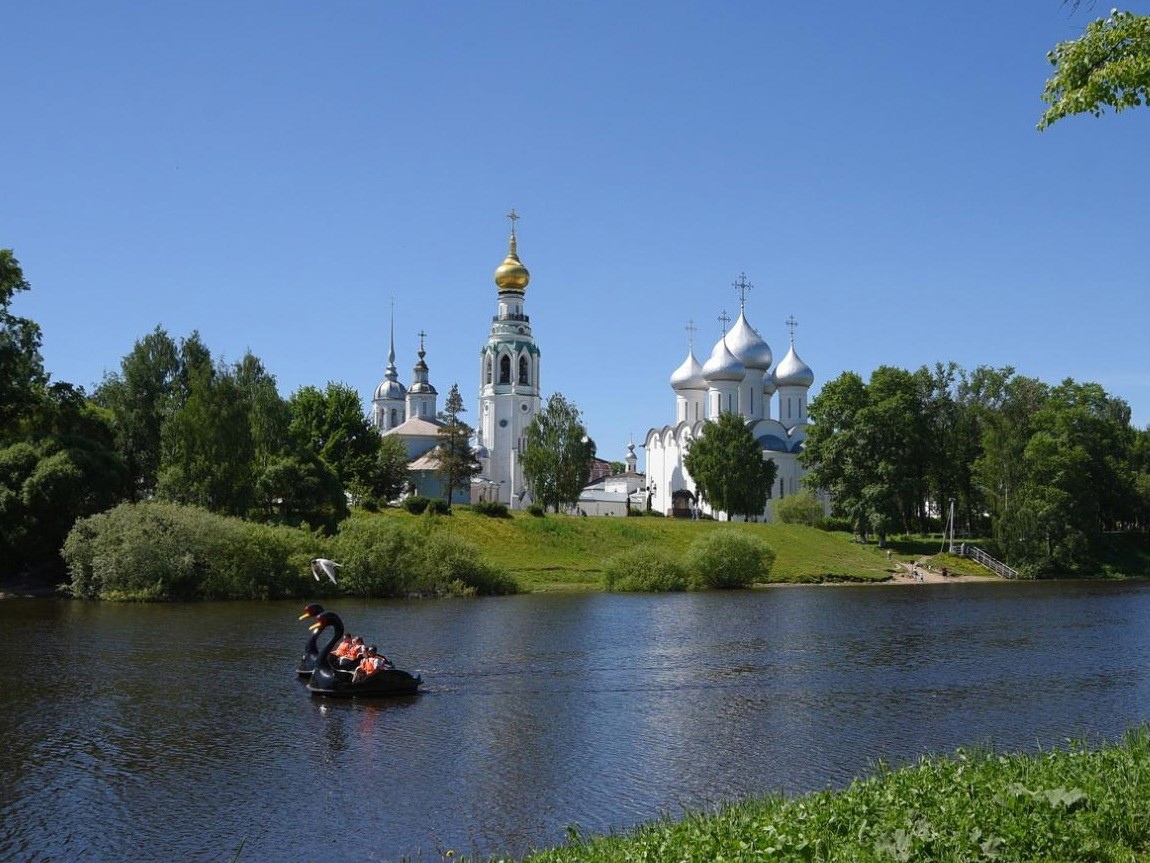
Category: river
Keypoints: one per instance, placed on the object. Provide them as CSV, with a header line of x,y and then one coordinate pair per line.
x,y
176,732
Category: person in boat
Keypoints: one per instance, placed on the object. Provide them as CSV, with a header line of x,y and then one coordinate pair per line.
x,y
371,663
348,652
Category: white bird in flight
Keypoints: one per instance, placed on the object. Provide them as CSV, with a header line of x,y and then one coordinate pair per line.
x,y
327,567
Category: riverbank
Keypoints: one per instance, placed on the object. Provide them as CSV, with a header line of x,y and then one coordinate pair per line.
x,y
565,553
1069,804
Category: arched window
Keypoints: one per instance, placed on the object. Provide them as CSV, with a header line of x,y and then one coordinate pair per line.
x,y
505,369
394,419
523,370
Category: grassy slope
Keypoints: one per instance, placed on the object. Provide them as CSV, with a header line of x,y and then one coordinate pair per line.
x,y
568,552
1072,804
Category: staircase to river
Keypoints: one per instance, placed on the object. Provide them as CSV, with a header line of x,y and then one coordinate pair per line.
x,y
981,557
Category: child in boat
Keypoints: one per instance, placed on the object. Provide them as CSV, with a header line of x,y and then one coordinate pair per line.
x,y
371,663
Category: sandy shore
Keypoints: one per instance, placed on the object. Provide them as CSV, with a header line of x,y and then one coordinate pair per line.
x,y
912,573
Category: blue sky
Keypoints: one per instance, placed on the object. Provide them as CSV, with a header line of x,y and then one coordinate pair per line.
x,y
276,174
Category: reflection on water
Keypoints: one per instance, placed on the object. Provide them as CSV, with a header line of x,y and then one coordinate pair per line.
x,y
176,732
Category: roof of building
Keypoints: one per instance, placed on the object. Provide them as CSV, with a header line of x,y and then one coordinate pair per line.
x,y
416,427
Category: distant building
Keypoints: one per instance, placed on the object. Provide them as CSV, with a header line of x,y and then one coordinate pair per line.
x,y
410,414
613,494
736,378
509,382
508,399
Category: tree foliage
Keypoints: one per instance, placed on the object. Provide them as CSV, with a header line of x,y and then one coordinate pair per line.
x,y
1108,65
458,462
141,397
557,455
22,376
801,508
1048,471
331,423
728,467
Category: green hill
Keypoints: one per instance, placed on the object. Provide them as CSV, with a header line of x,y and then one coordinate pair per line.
x,y
560,552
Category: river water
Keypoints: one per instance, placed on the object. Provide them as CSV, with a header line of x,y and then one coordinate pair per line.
x,y
176,732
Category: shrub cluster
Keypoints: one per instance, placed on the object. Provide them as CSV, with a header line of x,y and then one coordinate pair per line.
x,y
641,569
163,551
729,558
417,504
491,508
537,510
718,559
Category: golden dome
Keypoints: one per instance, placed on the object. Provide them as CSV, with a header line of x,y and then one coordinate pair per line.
x,y
511,275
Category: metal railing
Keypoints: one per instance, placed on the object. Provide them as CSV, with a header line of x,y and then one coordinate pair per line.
x,y
981,557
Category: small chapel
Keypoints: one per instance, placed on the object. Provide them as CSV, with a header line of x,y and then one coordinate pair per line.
x,y
737,377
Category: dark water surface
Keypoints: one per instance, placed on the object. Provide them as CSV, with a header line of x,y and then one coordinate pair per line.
x,y
154,732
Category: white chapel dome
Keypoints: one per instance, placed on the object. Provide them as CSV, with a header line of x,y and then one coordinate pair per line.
x,y
793,372
746,344
688,376
723,365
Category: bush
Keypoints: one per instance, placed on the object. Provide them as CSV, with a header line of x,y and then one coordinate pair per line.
x,y
491,508
537,510
640,569
801,508
439,506
415,504
727,558
166,551
379,557
450,564
835,524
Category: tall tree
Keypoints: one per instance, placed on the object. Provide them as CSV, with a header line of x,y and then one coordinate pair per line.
x,y
458,462
557,455
836,452
332,424
208,456
141,397
22,376
728,467
1108,65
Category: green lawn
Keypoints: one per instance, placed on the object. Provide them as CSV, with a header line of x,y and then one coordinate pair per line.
x,y
560,552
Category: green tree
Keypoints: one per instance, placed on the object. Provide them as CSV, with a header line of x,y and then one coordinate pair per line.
x,y
1108,65
389,475
557,455
22,376
835,451
458,462
141,397
300,488
57,461
728,467
208,455
332,424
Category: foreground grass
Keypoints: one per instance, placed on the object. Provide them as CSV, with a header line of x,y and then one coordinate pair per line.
x,y
562,552
1073,804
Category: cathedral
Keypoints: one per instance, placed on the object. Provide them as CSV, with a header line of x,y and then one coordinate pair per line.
x,y
736,378
508,399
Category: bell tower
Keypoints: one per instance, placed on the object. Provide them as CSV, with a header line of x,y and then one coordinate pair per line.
x,y
508,381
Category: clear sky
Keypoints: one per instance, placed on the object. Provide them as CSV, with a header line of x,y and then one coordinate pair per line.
x,y
276,174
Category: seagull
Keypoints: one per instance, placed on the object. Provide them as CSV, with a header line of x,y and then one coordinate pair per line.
x,y
327,567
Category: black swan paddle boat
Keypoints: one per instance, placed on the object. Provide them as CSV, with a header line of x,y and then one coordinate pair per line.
x,y
326,680
310,651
